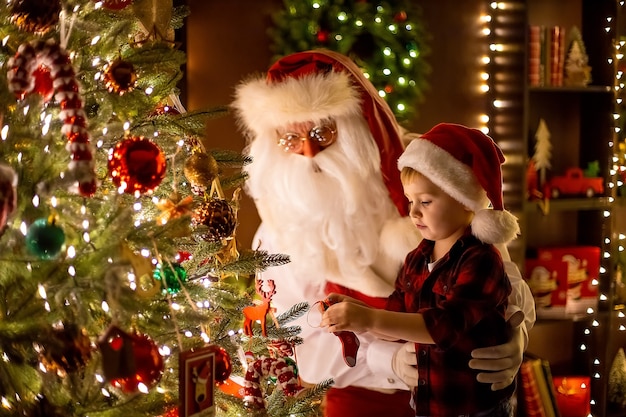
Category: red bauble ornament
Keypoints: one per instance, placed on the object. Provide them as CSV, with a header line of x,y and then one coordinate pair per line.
x,y
223,364
322,36
400,17
162,109
388,89
137,165
183,256
148,364
172,412
114,4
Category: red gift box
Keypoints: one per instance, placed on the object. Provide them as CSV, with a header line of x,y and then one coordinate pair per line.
x,y
573,395
547,280
583,270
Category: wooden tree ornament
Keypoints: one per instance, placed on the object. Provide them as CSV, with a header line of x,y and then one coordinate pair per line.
x,y
266,289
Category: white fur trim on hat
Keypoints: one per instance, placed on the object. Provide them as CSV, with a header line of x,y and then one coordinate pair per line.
x,y
265,105
446,172
458,181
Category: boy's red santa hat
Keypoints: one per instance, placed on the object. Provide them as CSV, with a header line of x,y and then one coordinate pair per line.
x,y
317,85
465,164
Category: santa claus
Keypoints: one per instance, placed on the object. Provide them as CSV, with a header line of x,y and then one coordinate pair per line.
x,y
325,182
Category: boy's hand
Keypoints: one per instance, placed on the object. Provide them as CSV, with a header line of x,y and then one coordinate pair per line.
x,y
334,298
349,342
346,315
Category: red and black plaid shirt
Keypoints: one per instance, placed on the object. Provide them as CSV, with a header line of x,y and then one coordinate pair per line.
x,y
463,301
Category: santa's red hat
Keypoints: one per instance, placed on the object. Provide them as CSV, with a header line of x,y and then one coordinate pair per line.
x,y
465,164
317,85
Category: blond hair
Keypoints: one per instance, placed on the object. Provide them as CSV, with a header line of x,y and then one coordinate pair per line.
x,y
408,174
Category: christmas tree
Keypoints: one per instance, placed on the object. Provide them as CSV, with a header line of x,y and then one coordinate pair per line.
x,y
577,70
387,39
543,152
617,379
124,291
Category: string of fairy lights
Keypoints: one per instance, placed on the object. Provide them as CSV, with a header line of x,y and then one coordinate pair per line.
x,y
613,255
618,169
484,23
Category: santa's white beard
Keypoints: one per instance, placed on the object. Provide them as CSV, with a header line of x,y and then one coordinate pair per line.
x,y
325,212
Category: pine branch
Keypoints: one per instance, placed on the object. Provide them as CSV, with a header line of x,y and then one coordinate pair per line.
x,y
230,159
308,402
296,311
250,262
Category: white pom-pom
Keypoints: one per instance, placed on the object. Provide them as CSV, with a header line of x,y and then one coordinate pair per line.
x,y
495,226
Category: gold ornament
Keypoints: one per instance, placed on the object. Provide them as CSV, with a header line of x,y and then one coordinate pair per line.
x,y
200,170
155,16
174,207
146,285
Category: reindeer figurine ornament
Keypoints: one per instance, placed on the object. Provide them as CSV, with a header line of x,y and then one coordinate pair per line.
x,y
258,312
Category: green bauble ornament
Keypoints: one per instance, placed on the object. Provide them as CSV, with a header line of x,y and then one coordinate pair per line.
x,y
173,275
45,239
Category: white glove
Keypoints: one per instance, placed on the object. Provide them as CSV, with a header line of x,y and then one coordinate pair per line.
x,y
501,362
404,364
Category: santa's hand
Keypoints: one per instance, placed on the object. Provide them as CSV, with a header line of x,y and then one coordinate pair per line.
x,y
404,364
334,298
502,361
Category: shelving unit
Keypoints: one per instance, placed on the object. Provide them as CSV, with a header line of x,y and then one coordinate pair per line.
x,y
582,123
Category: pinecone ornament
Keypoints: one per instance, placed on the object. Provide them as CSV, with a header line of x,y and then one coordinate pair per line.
x,y
35,16
67,350
219,218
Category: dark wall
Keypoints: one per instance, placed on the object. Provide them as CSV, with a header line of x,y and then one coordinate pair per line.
x,y
226,41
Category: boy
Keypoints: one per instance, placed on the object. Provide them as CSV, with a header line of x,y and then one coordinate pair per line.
x,y
451,294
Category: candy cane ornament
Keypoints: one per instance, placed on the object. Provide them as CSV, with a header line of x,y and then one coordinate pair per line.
x,y
277,367
21,76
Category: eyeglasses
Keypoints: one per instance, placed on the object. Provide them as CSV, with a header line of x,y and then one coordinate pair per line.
x,y
324,135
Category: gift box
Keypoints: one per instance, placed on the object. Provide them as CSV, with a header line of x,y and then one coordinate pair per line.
x,y
583,270
547,280
573,395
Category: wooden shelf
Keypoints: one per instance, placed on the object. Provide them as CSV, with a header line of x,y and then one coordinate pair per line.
x,y
581,125
569,204
572,89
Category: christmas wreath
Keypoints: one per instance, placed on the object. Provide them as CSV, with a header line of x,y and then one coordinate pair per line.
x,y
386,39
